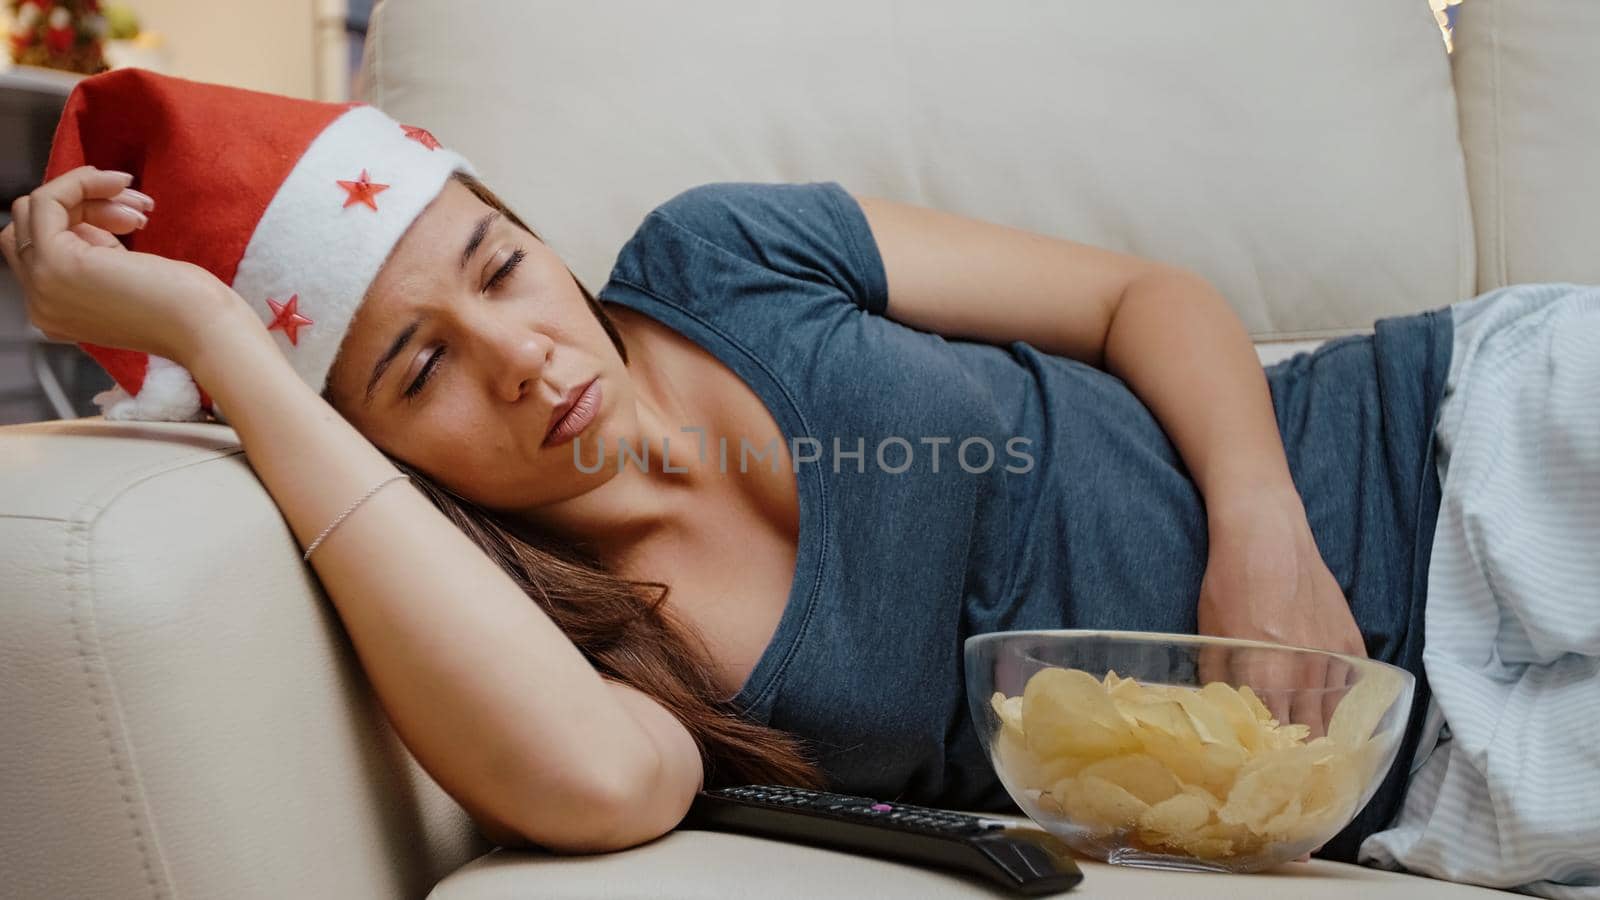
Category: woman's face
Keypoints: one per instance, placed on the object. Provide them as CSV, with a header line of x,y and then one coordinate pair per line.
x,y
505,334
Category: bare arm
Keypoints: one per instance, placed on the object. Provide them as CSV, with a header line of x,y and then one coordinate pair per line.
x,y
1180,347
488,694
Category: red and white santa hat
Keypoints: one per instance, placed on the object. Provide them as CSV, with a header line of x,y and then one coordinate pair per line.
x,y
294,203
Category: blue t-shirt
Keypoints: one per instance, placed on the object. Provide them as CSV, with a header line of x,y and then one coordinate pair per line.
x,y
949,488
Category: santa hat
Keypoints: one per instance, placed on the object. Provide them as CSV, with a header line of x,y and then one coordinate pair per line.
x,y
294,203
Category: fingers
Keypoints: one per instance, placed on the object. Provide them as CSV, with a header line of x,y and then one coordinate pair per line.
x,y
8,246
1306,705
1271,674
1213,664
19,222
1340,676
51,205
14,260
96,236
1338,681
96,222
126,212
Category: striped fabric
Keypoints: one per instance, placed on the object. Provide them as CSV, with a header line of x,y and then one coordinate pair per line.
x,y
1508,794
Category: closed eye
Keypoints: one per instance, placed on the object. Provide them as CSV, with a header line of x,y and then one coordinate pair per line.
x,y
427,371
505,269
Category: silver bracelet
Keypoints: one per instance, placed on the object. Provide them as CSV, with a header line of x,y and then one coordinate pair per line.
x,y
335,524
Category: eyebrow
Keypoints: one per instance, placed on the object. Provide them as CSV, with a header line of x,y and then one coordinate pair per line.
x,y
474,240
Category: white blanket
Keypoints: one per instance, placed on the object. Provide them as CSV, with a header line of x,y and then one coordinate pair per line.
x,y
1509,794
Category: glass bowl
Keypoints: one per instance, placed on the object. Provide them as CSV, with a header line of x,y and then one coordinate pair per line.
x,y
1183,751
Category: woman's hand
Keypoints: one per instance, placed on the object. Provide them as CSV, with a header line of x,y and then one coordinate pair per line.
x,y
1265,580
80,284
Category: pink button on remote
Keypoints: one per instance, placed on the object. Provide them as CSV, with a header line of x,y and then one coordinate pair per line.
x,y
881,806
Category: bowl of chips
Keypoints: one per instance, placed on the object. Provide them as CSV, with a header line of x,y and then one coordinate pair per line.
x,y
1184,751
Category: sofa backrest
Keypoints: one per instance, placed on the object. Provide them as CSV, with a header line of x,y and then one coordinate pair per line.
x,y
1526,73
181,713
1304,158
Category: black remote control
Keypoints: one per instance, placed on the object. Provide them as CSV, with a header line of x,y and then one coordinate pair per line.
x,y
1026,860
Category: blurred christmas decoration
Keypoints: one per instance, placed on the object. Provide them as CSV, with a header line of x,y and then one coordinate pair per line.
x,y
130,44
1444,12
58,34
121,22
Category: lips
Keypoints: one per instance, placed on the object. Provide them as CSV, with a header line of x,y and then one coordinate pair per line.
x,y
565,406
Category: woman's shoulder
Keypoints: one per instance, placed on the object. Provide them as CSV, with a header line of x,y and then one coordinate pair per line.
x,y
732,236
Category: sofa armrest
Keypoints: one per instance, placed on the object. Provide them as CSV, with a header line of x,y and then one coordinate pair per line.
x,y
184,714
689,864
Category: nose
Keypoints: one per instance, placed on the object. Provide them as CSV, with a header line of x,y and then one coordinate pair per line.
x,y
516,358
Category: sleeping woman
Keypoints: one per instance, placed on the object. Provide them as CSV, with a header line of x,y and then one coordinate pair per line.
x,y
730,519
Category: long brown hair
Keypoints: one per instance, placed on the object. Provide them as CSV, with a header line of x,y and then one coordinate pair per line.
x,y
622,626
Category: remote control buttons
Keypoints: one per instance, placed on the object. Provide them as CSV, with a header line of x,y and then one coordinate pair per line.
x,y
924,819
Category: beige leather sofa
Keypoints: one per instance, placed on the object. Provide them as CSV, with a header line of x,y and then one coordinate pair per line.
x,y
181,714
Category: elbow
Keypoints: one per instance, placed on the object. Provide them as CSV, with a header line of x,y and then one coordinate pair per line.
x,y
638,812
1160,283
595,827
561,822
1165,273
614,817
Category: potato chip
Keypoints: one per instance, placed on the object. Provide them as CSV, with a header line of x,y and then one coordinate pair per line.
x,y
1359,713
1241,838
1179,814
1139,774
1283,737
1126,690
1210,766
1211,801
1329,794
1323,749
1367,757
1216,839
1209,721
1097,803
1236,712
1263,715
1067,712
1208,848
1009,709
1285,824
1264,787
1027,768
1164,716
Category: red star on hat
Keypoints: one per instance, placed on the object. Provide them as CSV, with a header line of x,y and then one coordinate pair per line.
x,y
421,136
362,190
287,317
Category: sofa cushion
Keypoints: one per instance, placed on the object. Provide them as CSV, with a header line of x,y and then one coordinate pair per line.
x,y
1305,160
1525,72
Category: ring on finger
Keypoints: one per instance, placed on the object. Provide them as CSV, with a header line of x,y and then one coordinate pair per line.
x,y
24,244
